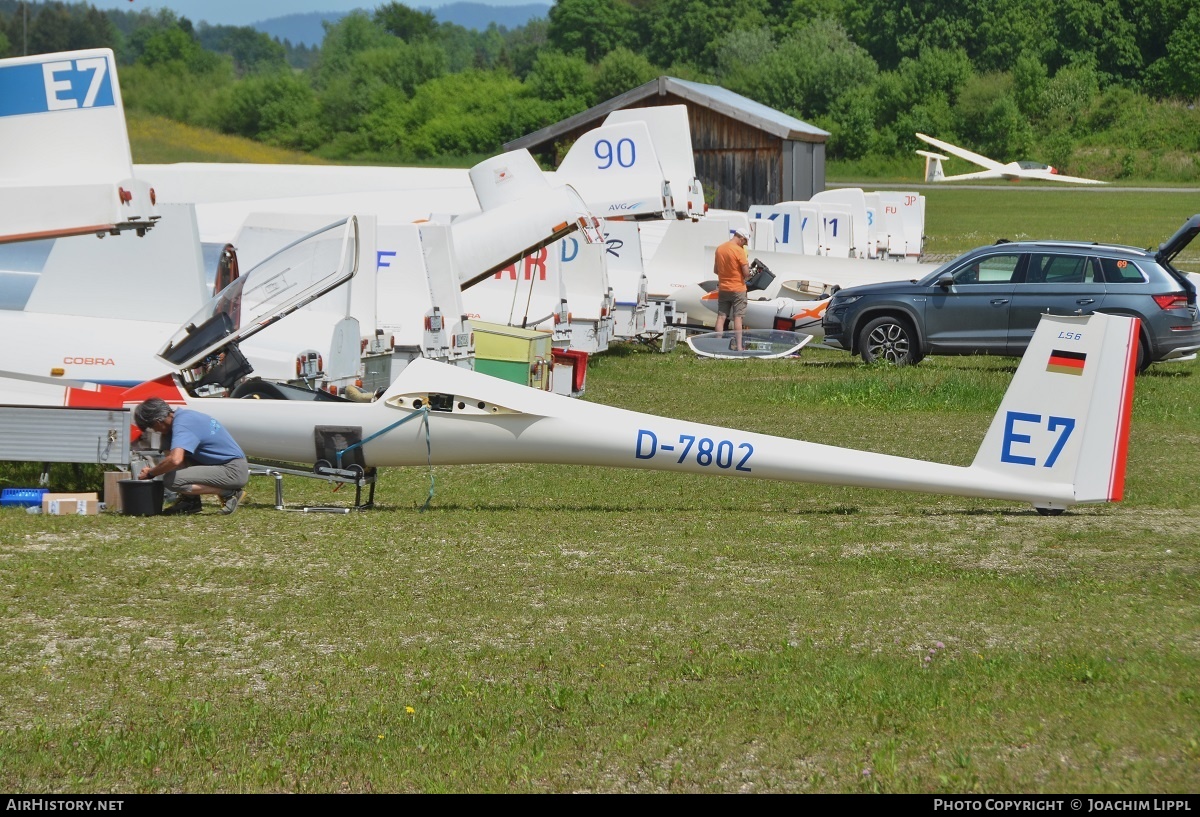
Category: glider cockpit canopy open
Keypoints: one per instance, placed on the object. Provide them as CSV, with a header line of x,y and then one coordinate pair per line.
x,y
205,348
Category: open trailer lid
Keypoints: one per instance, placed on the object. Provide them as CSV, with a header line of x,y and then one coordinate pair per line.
x,y
295,276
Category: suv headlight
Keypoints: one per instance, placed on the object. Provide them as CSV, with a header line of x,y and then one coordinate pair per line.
x,y
844,300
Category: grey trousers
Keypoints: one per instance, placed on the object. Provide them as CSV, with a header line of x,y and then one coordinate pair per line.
x,y
228,476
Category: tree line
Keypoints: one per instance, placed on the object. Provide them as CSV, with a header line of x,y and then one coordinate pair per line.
x,y
1063,79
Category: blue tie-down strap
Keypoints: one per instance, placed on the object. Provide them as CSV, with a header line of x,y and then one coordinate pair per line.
x,y
423,413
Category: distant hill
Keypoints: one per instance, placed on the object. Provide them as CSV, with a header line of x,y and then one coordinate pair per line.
x,y
307,28
299,29
479,15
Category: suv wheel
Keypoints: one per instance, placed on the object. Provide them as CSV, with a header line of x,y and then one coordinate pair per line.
x,y
890,340
1143,356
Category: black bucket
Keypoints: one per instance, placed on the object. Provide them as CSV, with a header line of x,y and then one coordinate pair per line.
x,y
141,497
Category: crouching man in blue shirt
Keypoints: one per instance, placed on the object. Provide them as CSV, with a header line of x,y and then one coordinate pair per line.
x,y
202,457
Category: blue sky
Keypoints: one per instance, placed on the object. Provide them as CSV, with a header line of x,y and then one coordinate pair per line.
x,y
245,12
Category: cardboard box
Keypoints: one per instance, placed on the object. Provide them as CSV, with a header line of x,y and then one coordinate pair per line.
x,y
85,504
68,507
112,491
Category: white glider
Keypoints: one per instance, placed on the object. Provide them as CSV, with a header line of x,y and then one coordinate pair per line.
x,y
1014,171
1058,439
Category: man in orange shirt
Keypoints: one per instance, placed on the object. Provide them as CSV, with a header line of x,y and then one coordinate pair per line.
x,y
732,268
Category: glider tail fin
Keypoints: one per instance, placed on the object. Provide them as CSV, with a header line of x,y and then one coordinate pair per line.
x,y
1064,420
617,170
933,166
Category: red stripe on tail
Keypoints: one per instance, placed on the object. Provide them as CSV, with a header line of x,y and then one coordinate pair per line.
x,y
1116,485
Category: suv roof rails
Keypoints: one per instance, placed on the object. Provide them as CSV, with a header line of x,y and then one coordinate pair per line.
x,y
1054,242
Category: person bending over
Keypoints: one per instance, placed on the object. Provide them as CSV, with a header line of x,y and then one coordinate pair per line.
x,y
202,457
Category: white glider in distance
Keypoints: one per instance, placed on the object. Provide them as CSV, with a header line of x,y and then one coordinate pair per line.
x,y
1014,171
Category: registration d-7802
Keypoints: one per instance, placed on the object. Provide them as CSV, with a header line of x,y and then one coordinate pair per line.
x,y
705,451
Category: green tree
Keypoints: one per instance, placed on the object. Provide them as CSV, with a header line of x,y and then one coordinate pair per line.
x,y
1155,23
919,97
49,29
988,118
1057,149
622,70
464,115
1120,110
172,92
402,66
1029,83
81,26
1067,95
489,45
301,57
177,50
1095,33
171,74
1175,74
350,35
851,123
932,115
561,81
375,78
408,24
894,31
933,73
466,49
690,31
522,46
591,28
812,67
804,74
251,51
278,108
1007,31
789,15
742,56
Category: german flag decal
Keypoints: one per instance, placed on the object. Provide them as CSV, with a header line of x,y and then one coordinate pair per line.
x,y
1066,362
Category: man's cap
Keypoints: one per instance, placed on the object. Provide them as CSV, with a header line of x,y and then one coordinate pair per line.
x,y
740,233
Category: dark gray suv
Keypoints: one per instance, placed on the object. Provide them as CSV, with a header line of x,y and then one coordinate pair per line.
x,y
988,301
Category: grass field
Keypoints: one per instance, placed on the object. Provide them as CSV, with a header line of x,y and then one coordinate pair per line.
x,y
559,629
554,629
957,219
155,140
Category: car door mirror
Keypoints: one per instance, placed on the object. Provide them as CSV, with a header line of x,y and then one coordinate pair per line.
x,y
946,281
